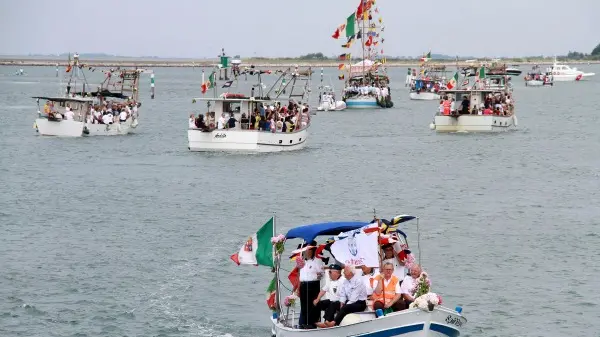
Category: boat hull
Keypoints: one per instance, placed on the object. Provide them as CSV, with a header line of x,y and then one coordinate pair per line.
x,y
408,323
70,128
238,140
424,96
474,123
534,83
572,77
327,106
363,102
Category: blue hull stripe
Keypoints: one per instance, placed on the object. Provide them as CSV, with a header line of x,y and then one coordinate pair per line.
x,y
395,331
448,331
361,103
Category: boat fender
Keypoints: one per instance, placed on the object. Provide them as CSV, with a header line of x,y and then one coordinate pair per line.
x,y
458,309
86,131
432,126
515,120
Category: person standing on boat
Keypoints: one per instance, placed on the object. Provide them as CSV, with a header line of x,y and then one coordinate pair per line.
x,y
310,286
390,257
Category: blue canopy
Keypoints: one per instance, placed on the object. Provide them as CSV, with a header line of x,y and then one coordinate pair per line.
x,y
310,232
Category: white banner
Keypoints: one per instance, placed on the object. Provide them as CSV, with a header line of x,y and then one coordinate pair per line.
x,y
356,248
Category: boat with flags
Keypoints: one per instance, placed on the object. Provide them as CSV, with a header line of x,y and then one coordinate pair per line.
x,y
327,100
367,84
429,82
360,248
262,121
487,105
110,109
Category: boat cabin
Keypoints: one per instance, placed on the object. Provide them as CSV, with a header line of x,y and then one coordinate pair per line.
x,y
55,107
236,104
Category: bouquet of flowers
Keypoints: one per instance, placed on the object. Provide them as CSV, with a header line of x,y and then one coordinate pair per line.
x,y
427,301
409,261
278,242
423,285
290,300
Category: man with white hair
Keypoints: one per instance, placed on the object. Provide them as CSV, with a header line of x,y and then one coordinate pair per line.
x,y
352,296
407,288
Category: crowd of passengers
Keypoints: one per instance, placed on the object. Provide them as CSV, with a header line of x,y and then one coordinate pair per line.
x,y
103,113
375,88
498,104
349,289
293,117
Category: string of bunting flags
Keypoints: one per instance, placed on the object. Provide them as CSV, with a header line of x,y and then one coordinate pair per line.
x,y
363,15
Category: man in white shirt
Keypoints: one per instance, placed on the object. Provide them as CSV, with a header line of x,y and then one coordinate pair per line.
x,y
408,286
123,116
352,295
107,119
310,286
331,303
221,122
69,114
391,257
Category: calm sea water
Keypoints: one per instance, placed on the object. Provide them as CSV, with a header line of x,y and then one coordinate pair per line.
x,y
131,236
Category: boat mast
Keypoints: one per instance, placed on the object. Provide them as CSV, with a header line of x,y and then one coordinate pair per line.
x,y
276,267
362,36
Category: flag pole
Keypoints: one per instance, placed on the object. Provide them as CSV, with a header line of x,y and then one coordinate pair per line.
x,y
276,267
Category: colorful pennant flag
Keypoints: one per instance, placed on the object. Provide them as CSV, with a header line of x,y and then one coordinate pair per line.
x,y
271,294
341,66
341,77
350,27
344,57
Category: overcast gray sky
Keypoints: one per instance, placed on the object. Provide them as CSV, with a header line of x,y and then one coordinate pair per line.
x,y
200,28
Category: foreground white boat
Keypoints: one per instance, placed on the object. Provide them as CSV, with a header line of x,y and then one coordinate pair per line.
x,y
441,321
434,320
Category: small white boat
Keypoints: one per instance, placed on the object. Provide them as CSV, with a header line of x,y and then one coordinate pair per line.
x,y
424,96
56,124
534,83
244,137
327,101
564,73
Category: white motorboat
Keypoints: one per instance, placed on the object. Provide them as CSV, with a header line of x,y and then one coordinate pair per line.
x,y
474,118
564,73
327,101
354,243
435,320
245,136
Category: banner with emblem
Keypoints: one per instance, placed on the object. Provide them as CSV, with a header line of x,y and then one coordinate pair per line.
x,y
258,249
358,247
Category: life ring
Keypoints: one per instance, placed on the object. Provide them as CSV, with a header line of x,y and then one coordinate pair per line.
x,y
232,95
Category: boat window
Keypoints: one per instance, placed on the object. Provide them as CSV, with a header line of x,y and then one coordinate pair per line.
x,y
232,106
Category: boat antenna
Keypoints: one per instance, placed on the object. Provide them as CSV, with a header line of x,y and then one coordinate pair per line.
x,y
419,240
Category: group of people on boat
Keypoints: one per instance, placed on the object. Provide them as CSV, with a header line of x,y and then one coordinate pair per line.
x,y
427,85
546,79
273,118
388,287
497,104
106,113
378,89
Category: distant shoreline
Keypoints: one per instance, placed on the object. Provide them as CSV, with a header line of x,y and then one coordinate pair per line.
x,y
261,63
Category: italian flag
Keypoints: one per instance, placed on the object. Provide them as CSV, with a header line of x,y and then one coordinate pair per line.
x,y
208,84
271,302
258,249
453,81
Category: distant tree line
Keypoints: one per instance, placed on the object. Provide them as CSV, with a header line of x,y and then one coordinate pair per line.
x,y
594,55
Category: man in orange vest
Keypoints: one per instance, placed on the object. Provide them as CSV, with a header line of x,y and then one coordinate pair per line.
x,y
387,291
